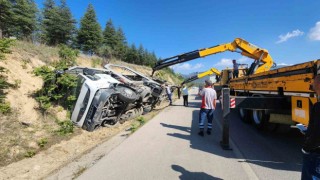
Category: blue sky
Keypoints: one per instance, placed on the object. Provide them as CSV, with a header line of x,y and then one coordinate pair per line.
x,y
289,30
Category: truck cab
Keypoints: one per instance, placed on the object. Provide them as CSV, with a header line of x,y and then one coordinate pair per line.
x,y
101,99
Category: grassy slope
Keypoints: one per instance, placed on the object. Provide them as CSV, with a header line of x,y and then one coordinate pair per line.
x,y
25,127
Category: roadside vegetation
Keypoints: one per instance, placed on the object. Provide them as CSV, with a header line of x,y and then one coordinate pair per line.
x,y
42,46
57,88
5,45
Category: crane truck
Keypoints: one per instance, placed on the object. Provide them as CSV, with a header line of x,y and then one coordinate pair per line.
x,y
283,95
203,74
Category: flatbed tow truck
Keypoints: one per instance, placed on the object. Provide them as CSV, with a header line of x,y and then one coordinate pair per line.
x,y
264,96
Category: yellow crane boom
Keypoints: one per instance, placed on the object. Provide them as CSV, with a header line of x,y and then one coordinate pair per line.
x,y
203,74
262,59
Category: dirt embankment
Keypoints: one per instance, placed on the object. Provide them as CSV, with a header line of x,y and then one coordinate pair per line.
x,y
30,148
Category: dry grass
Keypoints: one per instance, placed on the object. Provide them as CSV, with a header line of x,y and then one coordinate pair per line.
x,y
23,129
19,140
44,53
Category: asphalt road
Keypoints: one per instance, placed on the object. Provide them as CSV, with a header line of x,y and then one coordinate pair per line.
x,y
168,147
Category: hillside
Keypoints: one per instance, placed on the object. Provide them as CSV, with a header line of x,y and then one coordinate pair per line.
x,y
27,133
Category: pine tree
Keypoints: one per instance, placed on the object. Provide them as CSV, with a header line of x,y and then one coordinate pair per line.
x,y
132,55
109,35
24,18
122,45
50,14
90,33
142,61
58,24
5,17
146,57
66,24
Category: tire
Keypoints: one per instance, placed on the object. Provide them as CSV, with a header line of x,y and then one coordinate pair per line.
x,y
260,118
90,128
126,94
245,115
109,123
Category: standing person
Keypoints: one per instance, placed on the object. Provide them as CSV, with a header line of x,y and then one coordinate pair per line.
x,y
208,106
179,91
311,146
185,95
235,69
169,93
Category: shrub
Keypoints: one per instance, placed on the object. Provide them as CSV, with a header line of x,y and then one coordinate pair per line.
x,y
66,127
5,108
141,120
5,45
57,88
42,142
30,153
67,56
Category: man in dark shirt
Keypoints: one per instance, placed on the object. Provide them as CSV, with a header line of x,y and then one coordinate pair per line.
x,y
311,146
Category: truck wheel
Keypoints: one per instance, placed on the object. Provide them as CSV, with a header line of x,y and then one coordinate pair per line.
x,y
90,128
260,118
126,94
245,115
109,123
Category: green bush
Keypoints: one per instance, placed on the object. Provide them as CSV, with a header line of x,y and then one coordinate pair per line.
x,y
58,88
5,108
66,127
67,56
30,153
42,142
5,45
141,120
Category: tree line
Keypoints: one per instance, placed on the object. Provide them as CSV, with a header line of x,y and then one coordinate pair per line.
x,y
54,25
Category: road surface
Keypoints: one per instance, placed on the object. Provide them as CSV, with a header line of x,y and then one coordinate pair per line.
x,y
168,147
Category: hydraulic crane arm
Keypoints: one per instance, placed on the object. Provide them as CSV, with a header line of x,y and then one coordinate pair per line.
x,y
263,61
201,75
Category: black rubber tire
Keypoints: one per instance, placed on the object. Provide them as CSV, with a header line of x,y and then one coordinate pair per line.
x,y
245,115
127,94
110,123
90,128
260,119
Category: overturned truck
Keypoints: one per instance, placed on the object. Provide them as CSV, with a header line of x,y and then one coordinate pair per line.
x,y
104,99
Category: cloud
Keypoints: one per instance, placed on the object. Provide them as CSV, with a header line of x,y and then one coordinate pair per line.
x,y
197,66
227,63
314,33
244,60
283,64
186,66
224,62
289,35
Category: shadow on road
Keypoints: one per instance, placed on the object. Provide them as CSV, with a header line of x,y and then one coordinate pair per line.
x,y
181,128
186,175
275,150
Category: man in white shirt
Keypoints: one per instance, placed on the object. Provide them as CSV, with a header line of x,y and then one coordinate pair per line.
x,y
185,95
208,106
169,93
